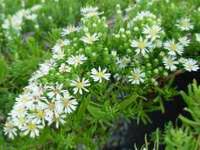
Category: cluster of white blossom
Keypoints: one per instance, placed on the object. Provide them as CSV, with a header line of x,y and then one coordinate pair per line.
x,y
49,102
15,22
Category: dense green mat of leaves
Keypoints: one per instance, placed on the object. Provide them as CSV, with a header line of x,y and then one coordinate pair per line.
x,y
29,43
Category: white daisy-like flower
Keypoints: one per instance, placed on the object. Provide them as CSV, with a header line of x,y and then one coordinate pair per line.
x,y
123,62
59,45
143,14
99,74
64,68
153,32
49,113
39,115
55,91
142,46
10,130
76,60
32,127
43,70
39,111
19,121
68,30
34,89
170,63
182,60
88,12
80,85
24,100
37,103
67,103
190,64
90,39
197,35
60,54
18,110
59,119
137,76
184,24
173,47
184,41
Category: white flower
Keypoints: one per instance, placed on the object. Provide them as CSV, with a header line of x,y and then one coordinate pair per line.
x,y
32,127
197,37
142,15
76,60
37,103
16,21
24,100
55,91
142,46
153,32
190,65
184,41
43,70
184,24
53,109
39,115
67,103
79,85
68,30
123,62
18,110
88,12
99,74
60,54
10,129
174,48
34,89
59,119
49,113
170,63
64,68
19,121
59,45
90,39
137,76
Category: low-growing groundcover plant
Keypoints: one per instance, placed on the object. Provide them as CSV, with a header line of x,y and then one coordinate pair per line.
x,y
29,40
103,68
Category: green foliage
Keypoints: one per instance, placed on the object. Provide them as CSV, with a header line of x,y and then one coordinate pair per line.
x,y
186,136
180,139
89,125
192,99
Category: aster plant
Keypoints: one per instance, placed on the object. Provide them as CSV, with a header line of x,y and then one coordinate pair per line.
x,y
101,68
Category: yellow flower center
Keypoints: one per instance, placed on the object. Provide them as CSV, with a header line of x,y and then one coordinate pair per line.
x,y
51,106
22,120
141,45
169,61
66,102
9,125
100,74
136,76
79,84
25,99
91,39
153,32
185,23
56,91
40,114
31,126
173,46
